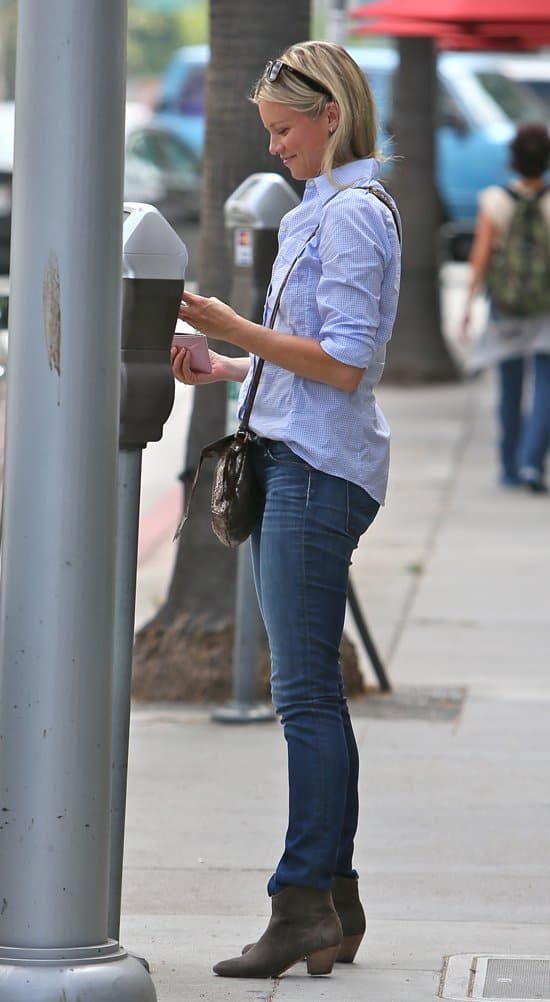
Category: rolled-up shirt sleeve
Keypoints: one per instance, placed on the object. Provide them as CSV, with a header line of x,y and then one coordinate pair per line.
x,y
354,251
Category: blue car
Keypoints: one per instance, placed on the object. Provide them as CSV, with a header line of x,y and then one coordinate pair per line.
x,y
181,105
478,107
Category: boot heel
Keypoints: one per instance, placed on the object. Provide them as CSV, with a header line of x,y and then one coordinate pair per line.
x,y
348,948
322,961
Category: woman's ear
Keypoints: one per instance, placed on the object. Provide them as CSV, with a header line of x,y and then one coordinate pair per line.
x,y
333,117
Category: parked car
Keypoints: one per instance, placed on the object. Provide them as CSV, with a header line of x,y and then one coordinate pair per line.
x,y
478,107
531,70
181,106
477,111
160,169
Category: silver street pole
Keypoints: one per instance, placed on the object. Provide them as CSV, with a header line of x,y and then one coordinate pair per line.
x,y
128,498
56,605
336,22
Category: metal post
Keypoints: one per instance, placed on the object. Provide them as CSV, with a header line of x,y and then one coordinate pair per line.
x,y
368,642
56,606
129,481
244,709
336,24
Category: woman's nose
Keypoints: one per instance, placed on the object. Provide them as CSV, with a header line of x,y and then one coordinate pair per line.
x,y
274,146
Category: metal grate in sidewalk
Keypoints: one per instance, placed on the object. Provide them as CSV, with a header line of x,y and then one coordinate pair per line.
x,y
429,703
491,978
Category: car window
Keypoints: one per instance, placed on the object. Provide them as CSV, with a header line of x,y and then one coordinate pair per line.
x,y
541,89
515,100
177,158
146,146
447,111
191,96
175,154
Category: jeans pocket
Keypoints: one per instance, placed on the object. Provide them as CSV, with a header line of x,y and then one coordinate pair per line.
x,y
362,510
280,453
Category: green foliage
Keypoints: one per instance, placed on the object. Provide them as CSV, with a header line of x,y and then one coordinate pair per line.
x,y
153,35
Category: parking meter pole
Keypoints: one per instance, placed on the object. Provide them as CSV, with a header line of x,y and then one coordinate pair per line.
x,y
252,216
247,633
154,264
56,605
128,497
243,707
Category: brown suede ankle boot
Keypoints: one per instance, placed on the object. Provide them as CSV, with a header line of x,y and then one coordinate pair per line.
x,y
303,924
345,895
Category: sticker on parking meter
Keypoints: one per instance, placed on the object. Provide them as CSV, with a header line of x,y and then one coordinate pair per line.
x,y
243,248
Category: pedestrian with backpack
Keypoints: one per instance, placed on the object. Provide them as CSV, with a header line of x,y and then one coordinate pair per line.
x,y
511,257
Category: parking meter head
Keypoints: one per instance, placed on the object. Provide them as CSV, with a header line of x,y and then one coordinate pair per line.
x,y
252,216
154,261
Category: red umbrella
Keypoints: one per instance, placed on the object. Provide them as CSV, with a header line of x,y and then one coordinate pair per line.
x,y
461,24
517,35
458,11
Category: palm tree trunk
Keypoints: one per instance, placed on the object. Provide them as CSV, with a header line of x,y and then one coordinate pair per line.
x,y
186,651
417,352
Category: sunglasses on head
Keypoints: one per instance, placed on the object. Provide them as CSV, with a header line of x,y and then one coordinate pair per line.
x,y
273,70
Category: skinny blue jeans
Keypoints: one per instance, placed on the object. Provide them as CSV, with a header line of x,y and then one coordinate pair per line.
x,y
301,555
524,441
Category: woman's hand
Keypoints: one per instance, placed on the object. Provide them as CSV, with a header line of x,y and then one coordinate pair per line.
x,y
223,368
181,367
210,316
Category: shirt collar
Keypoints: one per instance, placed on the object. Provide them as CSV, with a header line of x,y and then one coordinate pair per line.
x,y
350,174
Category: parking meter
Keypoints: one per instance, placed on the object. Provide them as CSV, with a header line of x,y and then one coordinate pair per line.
x,y
252,217
154,260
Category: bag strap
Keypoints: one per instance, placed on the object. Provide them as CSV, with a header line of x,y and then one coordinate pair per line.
x,y
517,195
383,197
260,364
213,448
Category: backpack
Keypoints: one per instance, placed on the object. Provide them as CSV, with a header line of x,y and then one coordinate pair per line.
x,y
518,276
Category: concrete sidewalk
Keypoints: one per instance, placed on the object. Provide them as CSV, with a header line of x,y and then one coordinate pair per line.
x,y
455,799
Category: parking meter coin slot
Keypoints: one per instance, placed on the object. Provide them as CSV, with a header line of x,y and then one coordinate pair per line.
x,y
150,312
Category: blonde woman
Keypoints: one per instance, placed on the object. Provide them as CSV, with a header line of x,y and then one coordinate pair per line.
x,y
321,455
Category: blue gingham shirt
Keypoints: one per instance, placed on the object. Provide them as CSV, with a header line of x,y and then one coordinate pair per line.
x,y
343,292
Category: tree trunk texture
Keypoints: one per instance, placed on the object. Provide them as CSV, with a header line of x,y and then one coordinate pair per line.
x,y
185,652
417,352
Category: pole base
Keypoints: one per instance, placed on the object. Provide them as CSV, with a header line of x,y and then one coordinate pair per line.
x,y
243,713
97,974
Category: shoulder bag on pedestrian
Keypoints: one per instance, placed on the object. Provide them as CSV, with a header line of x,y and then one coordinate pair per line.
x,y
237,499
